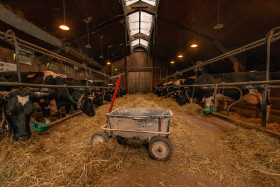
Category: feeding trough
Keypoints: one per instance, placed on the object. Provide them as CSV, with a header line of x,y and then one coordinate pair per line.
x,y
208,110
40,127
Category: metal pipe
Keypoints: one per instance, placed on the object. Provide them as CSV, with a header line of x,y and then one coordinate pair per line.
x,y
215,98
247,47
240,98
65,118
15,84
229,84
265,91
14,39
46,52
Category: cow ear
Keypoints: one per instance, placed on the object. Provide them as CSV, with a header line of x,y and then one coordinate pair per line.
x,y
3,100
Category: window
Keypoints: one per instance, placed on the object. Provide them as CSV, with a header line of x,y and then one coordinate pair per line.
x,y
53,66
69,70
140,22
130,2
151,2
135,43
141,42
82,74
144,42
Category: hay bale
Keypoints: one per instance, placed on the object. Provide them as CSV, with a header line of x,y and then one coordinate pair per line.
x,y
65,158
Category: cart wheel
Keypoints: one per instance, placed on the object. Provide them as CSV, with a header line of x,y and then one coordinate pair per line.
x,y
160,148
99,137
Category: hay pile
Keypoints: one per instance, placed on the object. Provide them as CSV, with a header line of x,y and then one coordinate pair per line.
x,y
65,158
269,125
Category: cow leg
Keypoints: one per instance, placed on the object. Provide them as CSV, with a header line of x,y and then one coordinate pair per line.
x,y
258,108
46,111
67,110
225,107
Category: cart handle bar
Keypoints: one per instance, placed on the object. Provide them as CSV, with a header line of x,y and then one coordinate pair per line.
x,y
149,132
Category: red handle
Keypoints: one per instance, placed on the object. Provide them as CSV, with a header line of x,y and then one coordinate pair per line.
x,y
115,93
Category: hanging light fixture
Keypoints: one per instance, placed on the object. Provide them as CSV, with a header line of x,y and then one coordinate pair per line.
x,y
194,45
172,62
194,41
64,26
88,20
101,55
108,57
180,54
219,25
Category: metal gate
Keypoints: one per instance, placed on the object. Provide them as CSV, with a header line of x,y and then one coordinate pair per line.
x,y
140,82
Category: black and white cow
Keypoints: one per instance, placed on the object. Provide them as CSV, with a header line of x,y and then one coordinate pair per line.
x,y
18,105
250,96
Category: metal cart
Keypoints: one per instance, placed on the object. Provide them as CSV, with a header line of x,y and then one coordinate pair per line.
x,y
151,125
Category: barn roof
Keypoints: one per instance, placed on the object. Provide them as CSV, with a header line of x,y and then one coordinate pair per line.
x,y
165,32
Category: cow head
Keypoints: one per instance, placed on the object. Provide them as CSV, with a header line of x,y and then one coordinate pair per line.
x,y
87,105
18,108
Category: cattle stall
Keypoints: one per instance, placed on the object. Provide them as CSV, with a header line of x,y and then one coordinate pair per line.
x,y
140,93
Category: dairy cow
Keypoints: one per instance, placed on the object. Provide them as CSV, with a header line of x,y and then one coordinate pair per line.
x,y
250,96
18,105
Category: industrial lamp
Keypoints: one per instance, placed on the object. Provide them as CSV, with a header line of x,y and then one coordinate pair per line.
x,y
194,45
180,54
64,26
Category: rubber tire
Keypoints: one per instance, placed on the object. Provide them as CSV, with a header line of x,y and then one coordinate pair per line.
x,y
163,140
101,134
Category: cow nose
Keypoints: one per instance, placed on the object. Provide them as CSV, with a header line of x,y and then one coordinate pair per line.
x,y
22,138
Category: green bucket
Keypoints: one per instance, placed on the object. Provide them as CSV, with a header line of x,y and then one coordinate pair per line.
x,y
40,126
208,110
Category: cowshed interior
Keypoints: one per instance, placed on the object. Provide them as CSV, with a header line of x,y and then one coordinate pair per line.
x,y
66,64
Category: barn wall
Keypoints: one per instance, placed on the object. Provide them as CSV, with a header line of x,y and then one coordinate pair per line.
x,y
137,67
41,64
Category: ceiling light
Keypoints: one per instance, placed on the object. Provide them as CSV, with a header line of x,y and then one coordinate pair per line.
x,y
87,21
108,62
116,69
194,45
180,56
219,25
172,62
64,27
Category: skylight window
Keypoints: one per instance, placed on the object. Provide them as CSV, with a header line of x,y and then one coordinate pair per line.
x,y
135,43
144,42
139,42
144,26
130,2
150,2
